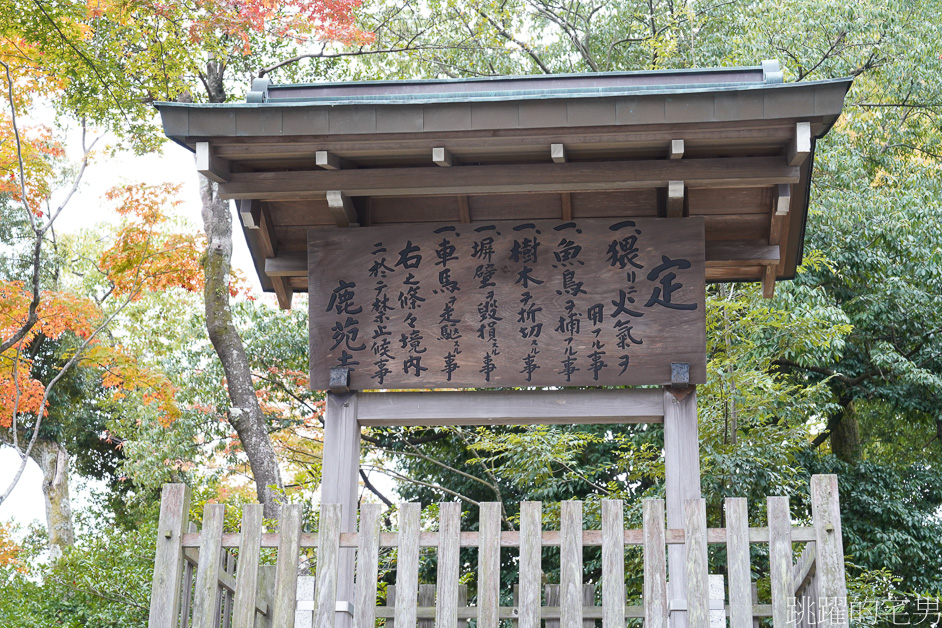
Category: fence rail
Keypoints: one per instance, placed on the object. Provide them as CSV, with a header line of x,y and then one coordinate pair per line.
x,y
199,583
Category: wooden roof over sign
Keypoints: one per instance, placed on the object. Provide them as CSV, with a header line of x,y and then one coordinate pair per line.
x,y
733,145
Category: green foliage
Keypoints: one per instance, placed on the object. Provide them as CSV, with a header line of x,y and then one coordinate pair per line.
x,y
103,581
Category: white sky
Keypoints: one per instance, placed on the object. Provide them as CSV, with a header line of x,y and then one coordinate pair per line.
x,y
174,165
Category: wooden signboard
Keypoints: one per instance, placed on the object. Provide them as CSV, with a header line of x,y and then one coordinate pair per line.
x,y
601,302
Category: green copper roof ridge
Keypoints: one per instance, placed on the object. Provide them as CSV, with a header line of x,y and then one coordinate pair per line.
x,y
526,77
517,95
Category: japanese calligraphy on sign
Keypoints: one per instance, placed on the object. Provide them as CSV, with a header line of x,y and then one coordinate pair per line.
x,y
601,302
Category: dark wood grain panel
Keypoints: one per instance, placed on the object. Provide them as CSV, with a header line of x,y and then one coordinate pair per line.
x,y
532,303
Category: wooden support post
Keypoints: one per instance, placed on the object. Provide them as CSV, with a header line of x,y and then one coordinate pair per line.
x,y
168,562
341,208
829,546
675,199
339,484
682,471
677,149
209,165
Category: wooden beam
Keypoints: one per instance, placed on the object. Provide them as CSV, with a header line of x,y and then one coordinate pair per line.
x,y
637,405
677,149
740,252
443,157
675,199
290,264
558,153
341,208
327,160
784,199
508,179
209,165
768,281
250,212
719,254
800,145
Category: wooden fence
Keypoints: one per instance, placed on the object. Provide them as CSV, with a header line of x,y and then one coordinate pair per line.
x,y
198,583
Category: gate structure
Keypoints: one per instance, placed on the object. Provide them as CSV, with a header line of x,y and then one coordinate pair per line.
x,y
537,234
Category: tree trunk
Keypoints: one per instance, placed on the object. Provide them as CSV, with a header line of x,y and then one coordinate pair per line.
x,y
53,459
845,436
245,414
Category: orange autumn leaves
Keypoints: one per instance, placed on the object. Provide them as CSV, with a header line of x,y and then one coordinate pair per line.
x,y
146,256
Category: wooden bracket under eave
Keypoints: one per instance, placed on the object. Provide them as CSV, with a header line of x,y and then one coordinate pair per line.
x,y
675,199
209,165
441,156
676,150
250,212
768,281
341,208
267,245
327,160
558,155
799,147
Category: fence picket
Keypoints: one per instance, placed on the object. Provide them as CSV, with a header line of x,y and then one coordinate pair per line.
x,y
243,604
489,566
449,531
328,561
613,564
227,606
286,573
780,560
698,590
655,564
168,562
531,554
829,546
367,566
570,564
206,602
407,565
737,560
187,585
